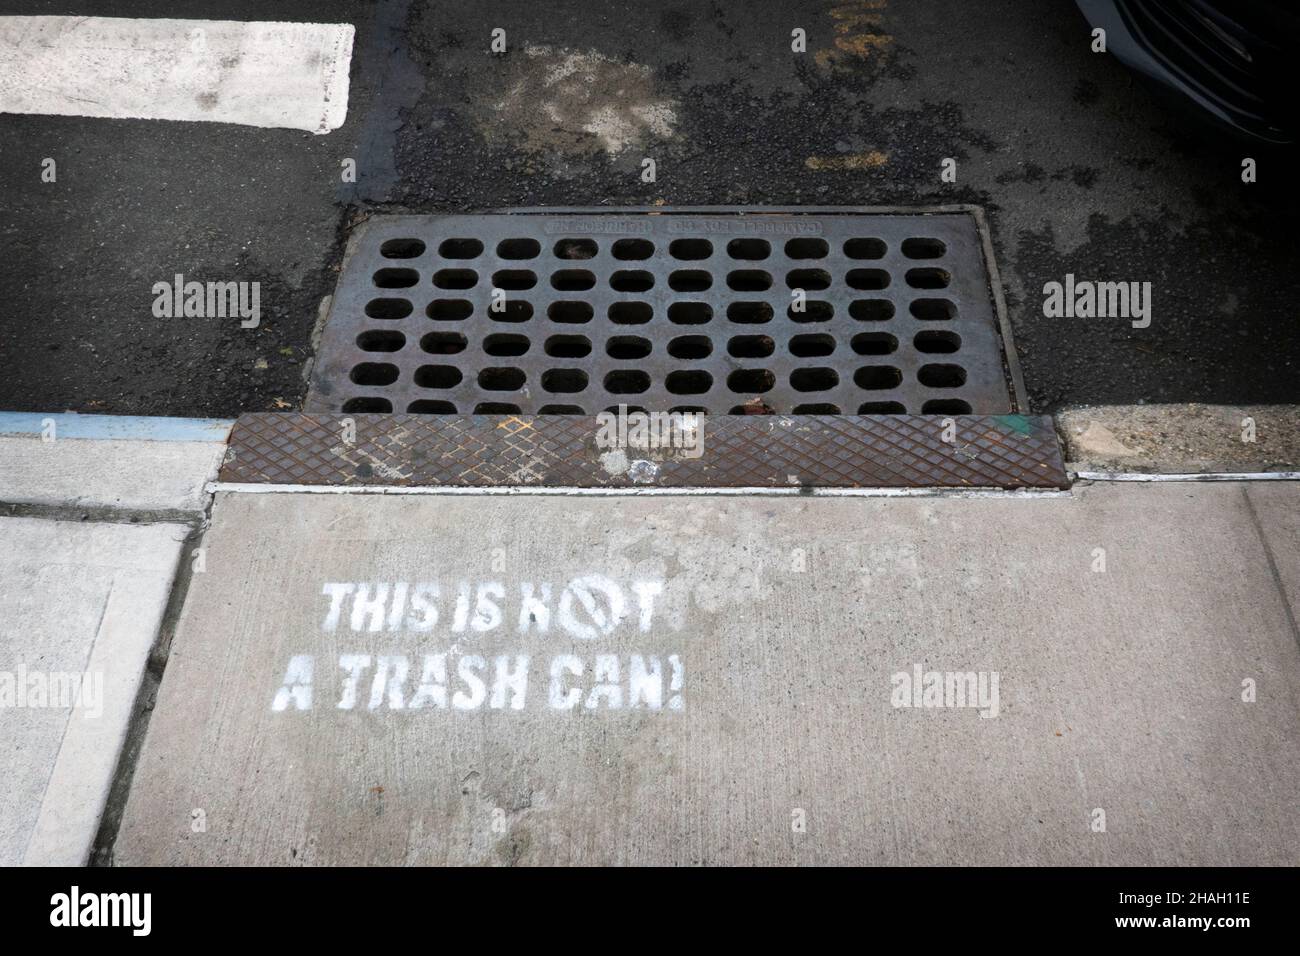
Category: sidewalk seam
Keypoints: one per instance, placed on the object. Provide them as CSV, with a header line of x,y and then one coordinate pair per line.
x,y
1272,565
101,514
119,790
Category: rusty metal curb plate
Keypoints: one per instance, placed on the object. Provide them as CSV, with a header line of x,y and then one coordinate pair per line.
x,y
575,312
760,451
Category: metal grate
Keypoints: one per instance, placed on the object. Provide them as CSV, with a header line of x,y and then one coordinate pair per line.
x,y
483,451
721,312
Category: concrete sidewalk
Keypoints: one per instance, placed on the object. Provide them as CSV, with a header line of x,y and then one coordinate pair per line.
x,y
96,512
1104,676
109,461
1108,677
80,609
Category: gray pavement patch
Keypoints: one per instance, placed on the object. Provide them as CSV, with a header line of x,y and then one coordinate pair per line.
x,y
108,466
1182,438
79,611
551,101
729,681
107,473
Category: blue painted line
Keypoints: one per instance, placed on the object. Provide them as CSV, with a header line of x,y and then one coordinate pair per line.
x,y
120,427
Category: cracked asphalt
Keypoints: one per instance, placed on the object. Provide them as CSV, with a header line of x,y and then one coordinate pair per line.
x,y
1081,169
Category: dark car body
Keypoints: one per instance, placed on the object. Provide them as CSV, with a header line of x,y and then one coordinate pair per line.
x,y
1236,61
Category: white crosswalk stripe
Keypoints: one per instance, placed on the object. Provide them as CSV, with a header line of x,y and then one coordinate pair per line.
x,y
287,75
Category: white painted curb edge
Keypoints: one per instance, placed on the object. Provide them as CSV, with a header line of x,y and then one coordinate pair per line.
x,y
791,492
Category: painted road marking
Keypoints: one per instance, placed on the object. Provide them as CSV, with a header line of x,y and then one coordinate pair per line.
x,y
408,682
589,607
114,427
283,75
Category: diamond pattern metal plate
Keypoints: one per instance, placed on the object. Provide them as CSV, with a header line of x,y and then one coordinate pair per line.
x,y
758,451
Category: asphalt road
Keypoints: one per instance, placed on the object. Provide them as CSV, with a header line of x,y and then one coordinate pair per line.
x,y
1081,170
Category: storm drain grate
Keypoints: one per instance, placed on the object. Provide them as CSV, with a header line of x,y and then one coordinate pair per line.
x,y
722,312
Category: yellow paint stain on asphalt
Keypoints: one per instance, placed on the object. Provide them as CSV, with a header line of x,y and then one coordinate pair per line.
x,y
845,11
870,20
856,17
859,33
864,44
869,160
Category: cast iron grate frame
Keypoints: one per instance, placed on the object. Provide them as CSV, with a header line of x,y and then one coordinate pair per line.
x,y
556,451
